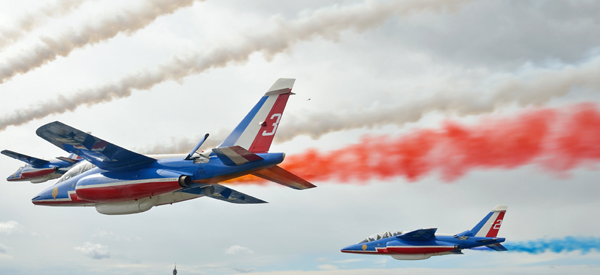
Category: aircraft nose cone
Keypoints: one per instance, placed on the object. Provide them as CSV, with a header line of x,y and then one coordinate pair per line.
x,y
15,176
45,195
351,248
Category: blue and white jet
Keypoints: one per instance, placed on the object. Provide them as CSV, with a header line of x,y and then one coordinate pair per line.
x,y
39,170
421,244
117,181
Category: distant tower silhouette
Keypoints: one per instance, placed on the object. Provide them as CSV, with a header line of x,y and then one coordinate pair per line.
x,y
175,270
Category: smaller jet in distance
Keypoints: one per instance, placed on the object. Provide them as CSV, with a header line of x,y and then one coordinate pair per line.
x,y
39,170
421,244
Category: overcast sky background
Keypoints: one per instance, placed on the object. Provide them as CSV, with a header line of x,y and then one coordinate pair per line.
x,y
155,78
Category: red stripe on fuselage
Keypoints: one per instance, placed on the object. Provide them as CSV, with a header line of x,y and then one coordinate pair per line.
x,y
37,173
418,249
404,250
127,192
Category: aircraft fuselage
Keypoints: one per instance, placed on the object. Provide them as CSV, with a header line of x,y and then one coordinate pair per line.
x,y
161,177
420,250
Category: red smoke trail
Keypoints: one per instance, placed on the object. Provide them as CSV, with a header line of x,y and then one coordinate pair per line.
x,y
556,139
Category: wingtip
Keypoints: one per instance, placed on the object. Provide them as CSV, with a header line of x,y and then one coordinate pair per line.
x,y
42,128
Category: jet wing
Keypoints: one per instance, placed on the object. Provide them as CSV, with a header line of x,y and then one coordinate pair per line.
x,y
418,235
95,150
221,193
25,158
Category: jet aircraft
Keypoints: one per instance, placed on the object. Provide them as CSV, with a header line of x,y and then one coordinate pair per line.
x,y
39,170
117,181
421,244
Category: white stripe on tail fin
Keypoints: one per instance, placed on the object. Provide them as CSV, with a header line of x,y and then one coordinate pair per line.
x,y
257,129
490,225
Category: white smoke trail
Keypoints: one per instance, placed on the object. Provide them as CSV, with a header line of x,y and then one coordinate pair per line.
x,y
32,20
327,23
127,21
535,88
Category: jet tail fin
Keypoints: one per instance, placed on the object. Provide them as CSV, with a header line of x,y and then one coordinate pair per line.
x,y
24,158
258,128
283,177
490,225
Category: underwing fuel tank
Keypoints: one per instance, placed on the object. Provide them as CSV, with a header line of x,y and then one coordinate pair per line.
x,y
120,186
127,207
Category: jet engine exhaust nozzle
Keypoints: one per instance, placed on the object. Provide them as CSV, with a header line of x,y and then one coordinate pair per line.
x,y
184,181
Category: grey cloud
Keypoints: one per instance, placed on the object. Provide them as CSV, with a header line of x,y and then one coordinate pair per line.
x,y
94,251
10,227
237,249
504,33
243,270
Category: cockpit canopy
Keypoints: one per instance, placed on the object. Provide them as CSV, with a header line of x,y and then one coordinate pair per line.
x,y
380,236
78,169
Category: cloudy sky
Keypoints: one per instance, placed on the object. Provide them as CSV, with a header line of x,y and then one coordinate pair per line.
x,y
372,77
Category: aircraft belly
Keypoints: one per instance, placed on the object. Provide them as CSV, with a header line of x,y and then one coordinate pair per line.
x,y
126,190
411,256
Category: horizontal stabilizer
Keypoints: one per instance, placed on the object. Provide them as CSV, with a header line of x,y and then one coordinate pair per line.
x,y
221,193
95,150
235,155
25,158
491,247
283,177
497,247
70,160
418,235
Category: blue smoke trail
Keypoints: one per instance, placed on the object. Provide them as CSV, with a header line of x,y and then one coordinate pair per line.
x,y
566,244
